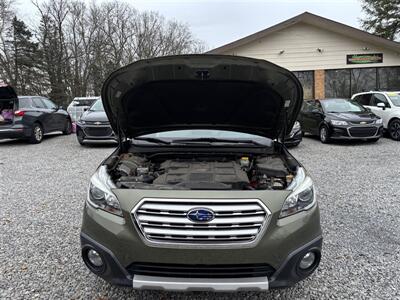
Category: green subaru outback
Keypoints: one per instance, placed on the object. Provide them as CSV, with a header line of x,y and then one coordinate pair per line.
x,y
201,194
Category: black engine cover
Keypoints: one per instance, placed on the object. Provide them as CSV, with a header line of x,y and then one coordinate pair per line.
x,y
195,174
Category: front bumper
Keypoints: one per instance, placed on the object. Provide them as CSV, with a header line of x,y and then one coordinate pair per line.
x,y
355,132
287,275
92,132
294,139
130,261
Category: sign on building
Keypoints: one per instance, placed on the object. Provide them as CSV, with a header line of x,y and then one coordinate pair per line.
x,y
358,59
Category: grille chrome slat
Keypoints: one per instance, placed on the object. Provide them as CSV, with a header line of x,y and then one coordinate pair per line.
x,y
215,208
183,220
237,223
199,226
184,239
222,214
199,232
230,238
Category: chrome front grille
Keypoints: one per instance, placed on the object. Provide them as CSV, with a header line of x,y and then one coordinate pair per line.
x,y
236,222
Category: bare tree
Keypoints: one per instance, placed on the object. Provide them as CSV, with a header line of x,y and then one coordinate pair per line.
x,y
52,42
81,30
6,15
78,45
156,37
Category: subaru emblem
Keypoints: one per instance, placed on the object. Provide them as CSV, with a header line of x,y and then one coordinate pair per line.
x,y
200,215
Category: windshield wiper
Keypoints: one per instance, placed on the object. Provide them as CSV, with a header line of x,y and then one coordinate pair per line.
x,y
152,140
344,112
216,140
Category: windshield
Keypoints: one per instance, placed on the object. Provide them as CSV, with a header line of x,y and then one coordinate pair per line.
x,y
83,102
207,134
395,97
97,106
341,106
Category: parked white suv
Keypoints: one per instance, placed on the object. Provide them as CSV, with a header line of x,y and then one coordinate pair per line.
x,y
79,105
385,105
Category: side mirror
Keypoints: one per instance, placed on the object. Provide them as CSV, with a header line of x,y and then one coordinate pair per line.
x,y
85,109
381,105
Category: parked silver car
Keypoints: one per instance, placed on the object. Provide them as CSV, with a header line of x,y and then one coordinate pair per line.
x,y
93,125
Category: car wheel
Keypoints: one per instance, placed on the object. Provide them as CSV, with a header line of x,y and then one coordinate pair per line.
x,y
80,136
394,130
37,134
324,135
68,127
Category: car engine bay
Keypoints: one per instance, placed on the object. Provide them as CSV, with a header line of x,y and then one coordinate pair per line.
x,y
200,172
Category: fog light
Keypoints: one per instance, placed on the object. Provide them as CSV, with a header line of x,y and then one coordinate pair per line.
x,y
94,258
307,261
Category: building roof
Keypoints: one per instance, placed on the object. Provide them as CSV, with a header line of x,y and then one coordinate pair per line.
x,y
315,20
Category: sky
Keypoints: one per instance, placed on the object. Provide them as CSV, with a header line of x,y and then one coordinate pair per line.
x,y
217,22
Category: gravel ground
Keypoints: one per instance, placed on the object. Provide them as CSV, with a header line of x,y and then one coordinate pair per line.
x,y
42,189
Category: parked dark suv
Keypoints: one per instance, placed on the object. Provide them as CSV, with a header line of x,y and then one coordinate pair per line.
x,y
30,117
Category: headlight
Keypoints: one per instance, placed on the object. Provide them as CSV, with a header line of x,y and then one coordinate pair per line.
x,y
302,198
379,121
100,196
81,121
337,122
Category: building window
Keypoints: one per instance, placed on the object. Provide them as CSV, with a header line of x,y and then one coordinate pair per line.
x,y
343,83
363,80
389,78
306,79
337,83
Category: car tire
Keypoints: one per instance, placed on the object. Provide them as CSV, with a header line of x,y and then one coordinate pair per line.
x,y
324,135
80,136
68,127
394,130
36,134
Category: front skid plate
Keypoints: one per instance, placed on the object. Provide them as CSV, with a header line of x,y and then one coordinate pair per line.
x,y
200,284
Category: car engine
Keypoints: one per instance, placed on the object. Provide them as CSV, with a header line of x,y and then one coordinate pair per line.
x,y
201,173
193,174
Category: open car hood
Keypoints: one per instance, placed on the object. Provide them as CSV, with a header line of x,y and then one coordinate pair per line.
x,y
202,92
